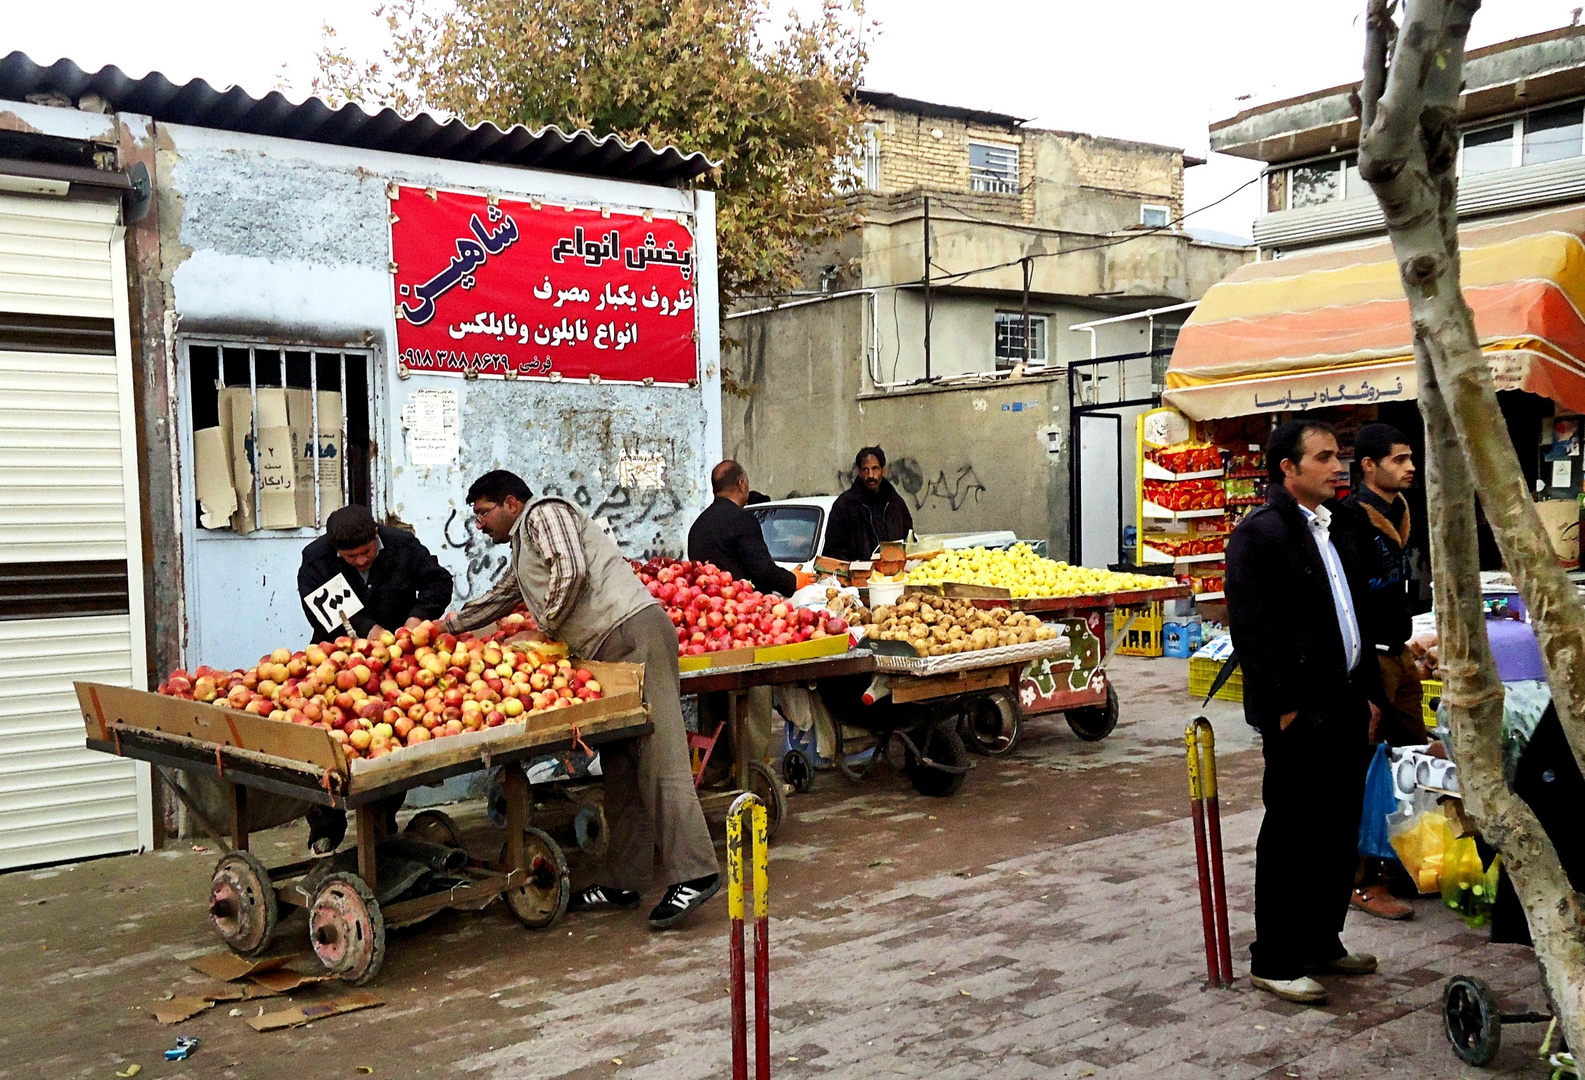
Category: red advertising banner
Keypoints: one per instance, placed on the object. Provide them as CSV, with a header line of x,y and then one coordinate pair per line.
x,y
517,289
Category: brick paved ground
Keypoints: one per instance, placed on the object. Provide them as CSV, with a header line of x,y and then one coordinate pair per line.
x,y
1042,924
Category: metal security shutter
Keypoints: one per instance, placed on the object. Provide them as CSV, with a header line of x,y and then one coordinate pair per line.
x,y
71,603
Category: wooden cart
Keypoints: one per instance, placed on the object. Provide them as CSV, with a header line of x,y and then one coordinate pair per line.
x,y
420,872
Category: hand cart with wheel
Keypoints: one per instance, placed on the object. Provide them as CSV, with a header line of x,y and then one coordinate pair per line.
x,y
385,881
1077,685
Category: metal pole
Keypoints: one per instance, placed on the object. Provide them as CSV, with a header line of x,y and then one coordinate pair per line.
x,y
253,434
734,901
761,942
1213,828
927,288
346,472
1201,855
1028,269
313,397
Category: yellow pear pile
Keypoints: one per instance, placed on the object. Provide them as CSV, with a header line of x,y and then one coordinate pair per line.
x,y
1025,574
935,626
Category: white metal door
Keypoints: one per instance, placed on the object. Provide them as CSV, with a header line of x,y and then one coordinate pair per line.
x,y
71,585
1100,510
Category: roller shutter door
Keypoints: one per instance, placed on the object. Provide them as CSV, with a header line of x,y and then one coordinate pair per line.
x,y
71,602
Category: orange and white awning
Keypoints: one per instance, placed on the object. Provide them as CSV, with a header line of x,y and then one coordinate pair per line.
x,y
1330,329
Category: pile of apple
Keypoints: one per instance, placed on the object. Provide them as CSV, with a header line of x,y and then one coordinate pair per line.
x,y
713,612
376,695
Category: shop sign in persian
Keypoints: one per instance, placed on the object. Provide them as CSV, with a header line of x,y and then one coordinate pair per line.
x,y
498,288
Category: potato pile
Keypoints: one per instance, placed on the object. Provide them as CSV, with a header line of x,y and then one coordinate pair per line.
x,y
936,626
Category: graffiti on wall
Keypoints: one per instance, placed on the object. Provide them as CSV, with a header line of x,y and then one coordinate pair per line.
x,y
956,491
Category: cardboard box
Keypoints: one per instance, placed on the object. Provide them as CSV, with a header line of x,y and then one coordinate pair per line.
x,y
275,462
236,426
217,490
323,458
1561,519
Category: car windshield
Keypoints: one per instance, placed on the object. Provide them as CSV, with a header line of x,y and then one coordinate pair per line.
x,y
790,531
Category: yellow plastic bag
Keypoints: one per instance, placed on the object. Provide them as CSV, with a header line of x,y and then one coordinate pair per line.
x,y
1421,841
1468,887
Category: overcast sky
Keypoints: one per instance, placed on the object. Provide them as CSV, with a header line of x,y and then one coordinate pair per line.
x,y
1158,70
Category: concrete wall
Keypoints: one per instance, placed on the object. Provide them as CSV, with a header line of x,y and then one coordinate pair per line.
x,y
271,239
966,458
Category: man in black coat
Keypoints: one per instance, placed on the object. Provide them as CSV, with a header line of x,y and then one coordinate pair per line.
x,y
730,537
1295,582
867,514
394,574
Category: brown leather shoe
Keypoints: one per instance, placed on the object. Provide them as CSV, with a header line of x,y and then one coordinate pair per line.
x,y
1376,900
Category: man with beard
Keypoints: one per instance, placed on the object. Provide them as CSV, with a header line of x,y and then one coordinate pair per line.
x,y
869,513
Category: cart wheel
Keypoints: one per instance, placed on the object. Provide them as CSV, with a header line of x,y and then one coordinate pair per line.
x,y
434,826
242,904
943,744
1471,1019
798,770
346,929
992,724
1096,722
542,899
763,781
588,828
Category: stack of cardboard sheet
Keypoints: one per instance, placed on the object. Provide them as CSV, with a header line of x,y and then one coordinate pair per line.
x,y
268,434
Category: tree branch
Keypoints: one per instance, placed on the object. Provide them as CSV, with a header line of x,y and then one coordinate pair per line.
x,y
1379,29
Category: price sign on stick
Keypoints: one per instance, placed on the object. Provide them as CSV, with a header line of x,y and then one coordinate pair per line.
x,y
333,603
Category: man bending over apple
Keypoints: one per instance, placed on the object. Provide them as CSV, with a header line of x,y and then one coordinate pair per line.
x,y
581,590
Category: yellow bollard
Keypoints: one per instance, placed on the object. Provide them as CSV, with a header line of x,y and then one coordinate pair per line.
x,y
759,825
1200,741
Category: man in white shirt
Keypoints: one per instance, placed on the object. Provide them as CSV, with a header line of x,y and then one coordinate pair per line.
x,y
1294,581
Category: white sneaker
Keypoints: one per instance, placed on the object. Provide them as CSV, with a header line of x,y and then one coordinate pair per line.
x,y
1304,990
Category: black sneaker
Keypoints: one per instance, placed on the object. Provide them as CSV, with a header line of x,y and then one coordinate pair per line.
x,y
681,899
598,896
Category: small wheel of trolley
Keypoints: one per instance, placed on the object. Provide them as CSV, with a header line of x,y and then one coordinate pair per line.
x,y
436,827
763,781
1472,1020
346,929
543,896
1095,722
992,724
798,770
242,904
942,745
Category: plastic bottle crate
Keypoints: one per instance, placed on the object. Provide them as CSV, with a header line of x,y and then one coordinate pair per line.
x,y
1144,637
1430,695
1202,673
1180,639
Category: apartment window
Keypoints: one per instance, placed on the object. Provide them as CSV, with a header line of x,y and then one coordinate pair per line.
x,y
1316,183
1552,135
1010,339
1276,190
993,167
281,436
1489,149
1155,217
870,150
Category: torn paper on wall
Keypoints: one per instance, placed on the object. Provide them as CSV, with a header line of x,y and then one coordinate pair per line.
x,y
430,422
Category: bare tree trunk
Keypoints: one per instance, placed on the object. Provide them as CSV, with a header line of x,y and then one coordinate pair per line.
x,y
1475,702
1408,153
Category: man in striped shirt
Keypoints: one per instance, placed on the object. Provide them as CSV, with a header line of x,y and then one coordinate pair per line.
x,y
582,591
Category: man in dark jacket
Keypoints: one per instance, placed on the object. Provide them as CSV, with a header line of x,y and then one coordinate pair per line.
x,y
1294,587
730,537
1387,462
394,574
867,514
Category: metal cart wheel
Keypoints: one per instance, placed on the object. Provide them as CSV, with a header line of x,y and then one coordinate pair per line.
x,y
941,743
346,929
992,724
1095,722
543,896
1472,1020
798,770
763,781
242,904
435,826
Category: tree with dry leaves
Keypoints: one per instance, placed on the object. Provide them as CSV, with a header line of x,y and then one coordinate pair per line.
x,y
778,112
1409,109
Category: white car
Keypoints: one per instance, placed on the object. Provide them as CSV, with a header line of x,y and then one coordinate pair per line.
x,y
795,531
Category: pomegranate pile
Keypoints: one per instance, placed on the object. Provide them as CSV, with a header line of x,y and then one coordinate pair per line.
x,y
713,612
378,695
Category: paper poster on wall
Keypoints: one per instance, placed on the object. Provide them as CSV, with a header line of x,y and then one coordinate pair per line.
x,y
309,458
430,421
1562,473
499,288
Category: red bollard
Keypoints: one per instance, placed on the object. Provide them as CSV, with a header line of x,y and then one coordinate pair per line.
x,y
759,824
1206,813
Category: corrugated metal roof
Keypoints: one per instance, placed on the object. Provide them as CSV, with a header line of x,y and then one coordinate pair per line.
x,y
234,109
